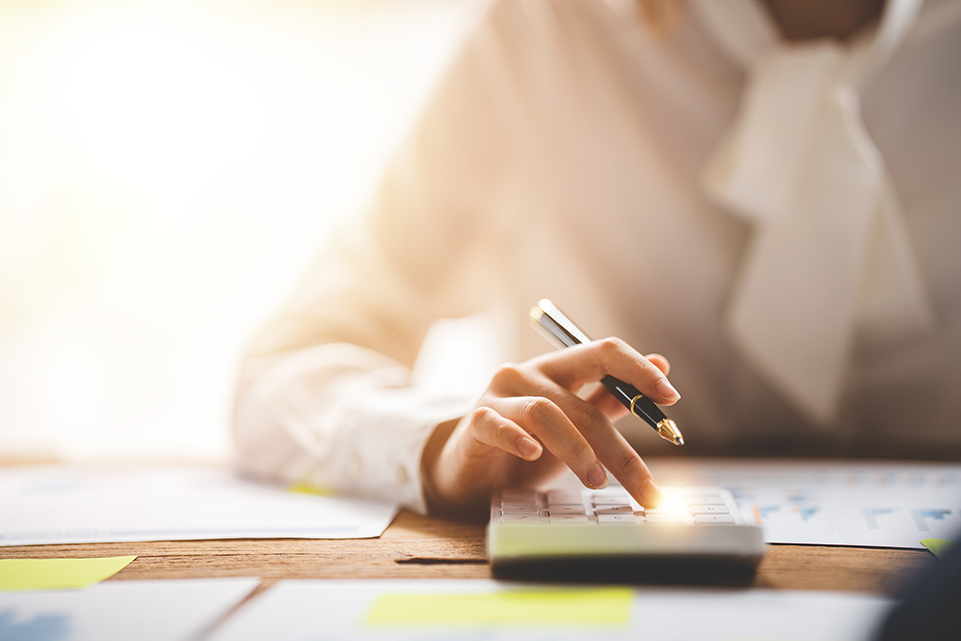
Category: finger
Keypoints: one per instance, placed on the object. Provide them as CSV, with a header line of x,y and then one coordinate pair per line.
x,y
575,366
489,427
603,400
545,420
660,363
610,447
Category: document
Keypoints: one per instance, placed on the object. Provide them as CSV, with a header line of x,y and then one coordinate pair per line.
x,y
61,504
870,504
480,609
173,610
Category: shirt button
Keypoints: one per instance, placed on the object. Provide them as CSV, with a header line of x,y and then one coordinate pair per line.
x,y
400,474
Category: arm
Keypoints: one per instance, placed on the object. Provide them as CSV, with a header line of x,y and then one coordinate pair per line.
x,y
325,395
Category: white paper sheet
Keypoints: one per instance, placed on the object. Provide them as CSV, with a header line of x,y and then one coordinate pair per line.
x,y
176,610
331,610
59,504
871,504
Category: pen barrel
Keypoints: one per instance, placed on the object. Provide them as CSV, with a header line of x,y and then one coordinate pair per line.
x,y
640,405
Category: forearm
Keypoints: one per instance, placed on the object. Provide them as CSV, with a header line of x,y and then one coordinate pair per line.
x,y
341,417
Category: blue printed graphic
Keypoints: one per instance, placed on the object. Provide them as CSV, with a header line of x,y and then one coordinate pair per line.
x,y
921,515
43,627
871,514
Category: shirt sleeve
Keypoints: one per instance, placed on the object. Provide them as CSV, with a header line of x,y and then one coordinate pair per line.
x,y
325,395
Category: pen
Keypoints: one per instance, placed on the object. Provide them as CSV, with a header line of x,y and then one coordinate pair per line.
x,y
558,329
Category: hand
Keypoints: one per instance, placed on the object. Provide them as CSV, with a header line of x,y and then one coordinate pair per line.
x,y
533,407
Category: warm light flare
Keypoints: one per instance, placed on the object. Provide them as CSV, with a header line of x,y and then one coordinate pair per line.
x,y
167,169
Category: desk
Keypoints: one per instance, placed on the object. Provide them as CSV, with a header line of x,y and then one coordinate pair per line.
x,y
419,547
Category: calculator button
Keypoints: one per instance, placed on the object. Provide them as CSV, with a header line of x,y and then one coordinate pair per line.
x,y
713,519
519,496
664,518
611,500
702,491
614,509
615,519
568,519
564,497
521,519
662,510
511,508
704,500
710,509
566,509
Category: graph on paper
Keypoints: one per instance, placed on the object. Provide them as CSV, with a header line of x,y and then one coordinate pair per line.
x,y
876,504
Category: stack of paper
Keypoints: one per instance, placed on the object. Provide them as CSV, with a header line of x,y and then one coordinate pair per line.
x,y
80,505
176,610
441,610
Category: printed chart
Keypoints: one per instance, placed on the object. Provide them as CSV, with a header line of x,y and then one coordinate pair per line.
x,y
859,504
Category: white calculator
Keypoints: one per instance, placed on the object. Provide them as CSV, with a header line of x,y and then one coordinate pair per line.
x,y
694,527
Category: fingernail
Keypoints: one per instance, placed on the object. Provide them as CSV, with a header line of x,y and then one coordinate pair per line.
x,y
528,448
666,390
651,494
597,477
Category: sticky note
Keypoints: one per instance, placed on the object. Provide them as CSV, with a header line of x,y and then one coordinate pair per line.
x,y
58,574
596,606
306,488
938,546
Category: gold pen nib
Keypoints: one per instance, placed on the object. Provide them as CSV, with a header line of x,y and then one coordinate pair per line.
x,y
669,432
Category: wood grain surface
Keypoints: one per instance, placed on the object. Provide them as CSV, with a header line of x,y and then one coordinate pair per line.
x,y
417,547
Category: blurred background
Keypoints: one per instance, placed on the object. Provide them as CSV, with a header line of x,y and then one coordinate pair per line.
x,y
167,170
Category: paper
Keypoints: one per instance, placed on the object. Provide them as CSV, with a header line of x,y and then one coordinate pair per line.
x,y
598,606
57,574
878,504
341,610
937,546
172,610
59,504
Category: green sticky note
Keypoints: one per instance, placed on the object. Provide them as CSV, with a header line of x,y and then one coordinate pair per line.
x,y
596,606
58,574
938,546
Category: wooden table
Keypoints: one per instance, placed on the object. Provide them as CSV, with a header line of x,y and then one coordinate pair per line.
x,y
420,547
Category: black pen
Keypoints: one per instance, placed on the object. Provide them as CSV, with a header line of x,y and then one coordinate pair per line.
x,y
558,329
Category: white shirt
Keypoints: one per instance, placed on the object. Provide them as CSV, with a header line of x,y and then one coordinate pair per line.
x,y
571,153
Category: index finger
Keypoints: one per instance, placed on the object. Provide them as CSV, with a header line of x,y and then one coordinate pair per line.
x,y
608,444
590,362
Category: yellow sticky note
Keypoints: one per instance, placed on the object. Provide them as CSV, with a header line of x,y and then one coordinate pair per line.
x,y
595,606
938,546
58,574
305,488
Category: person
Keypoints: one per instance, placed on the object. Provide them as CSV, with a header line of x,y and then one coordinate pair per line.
x,y
926,606
765,192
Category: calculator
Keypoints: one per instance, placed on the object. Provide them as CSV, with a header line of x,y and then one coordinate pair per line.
x,y
694,527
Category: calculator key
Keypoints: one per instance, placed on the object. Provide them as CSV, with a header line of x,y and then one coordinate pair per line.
x,y
704,500
521,519
664,518
710,509
519,496
701,491
664,510
564,497
611,500
615,519
566,509
713,519
614,509
568,519
513,508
